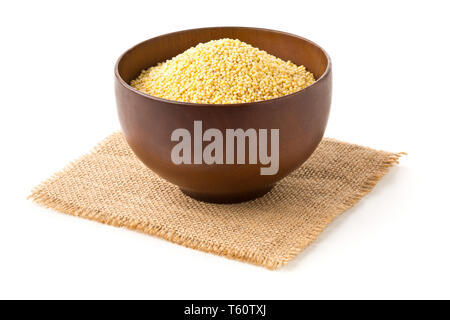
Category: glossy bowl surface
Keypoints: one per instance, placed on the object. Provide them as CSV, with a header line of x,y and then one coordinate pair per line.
x,y
148,122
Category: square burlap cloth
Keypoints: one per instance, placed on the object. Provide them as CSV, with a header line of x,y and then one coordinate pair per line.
x,y
110,185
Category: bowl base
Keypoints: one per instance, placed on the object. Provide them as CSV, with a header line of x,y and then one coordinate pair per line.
x,y
228,197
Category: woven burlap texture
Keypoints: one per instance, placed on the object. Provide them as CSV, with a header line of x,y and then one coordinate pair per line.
x,y
110,185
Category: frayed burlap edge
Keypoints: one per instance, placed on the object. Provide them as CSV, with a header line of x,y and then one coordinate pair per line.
x,y
348,203
44,200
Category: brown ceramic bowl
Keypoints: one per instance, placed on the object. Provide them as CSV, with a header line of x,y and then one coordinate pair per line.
x,y
148,121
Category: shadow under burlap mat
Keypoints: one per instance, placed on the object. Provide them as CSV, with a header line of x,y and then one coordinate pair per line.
x,y
110,185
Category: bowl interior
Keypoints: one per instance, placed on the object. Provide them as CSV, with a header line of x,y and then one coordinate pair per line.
x,y
282,45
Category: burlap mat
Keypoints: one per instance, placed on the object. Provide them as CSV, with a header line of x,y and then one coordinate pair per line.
x,y
110,185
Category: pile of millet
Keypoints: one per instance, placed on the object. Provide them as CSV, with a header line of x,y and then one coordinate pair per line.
x,y
225,71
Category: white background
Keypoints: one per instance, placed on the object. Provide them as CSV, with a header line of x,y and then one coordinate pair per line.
x,y
391,91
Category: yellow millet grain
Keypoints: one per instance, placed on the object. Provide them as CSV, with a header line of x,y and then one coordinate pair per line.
x,y
223,71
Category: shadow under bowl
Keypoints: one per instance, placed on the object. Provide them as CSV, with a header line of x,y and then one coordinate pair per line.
x,y
148,122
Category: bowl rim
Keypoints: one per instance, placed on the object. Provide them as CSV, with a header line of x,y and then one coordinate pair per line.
x,y
175,102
